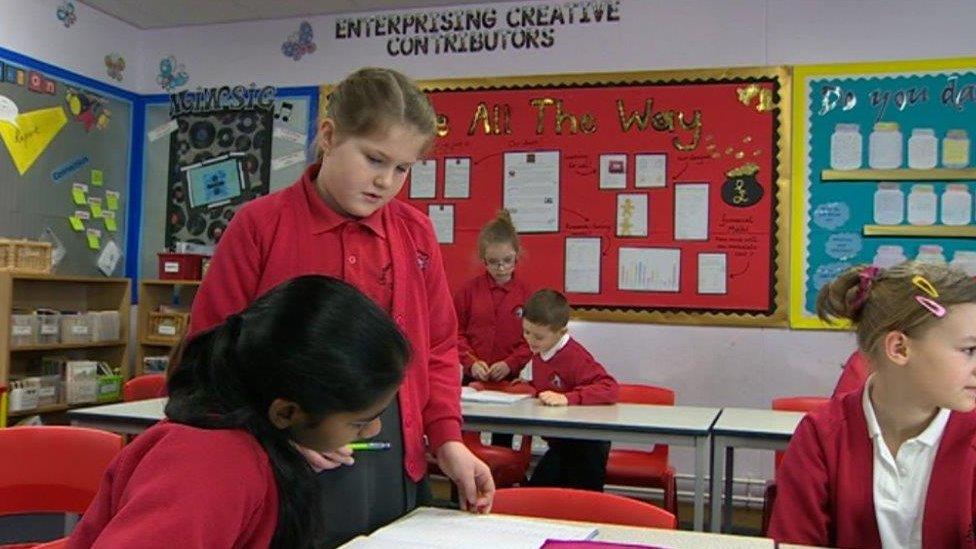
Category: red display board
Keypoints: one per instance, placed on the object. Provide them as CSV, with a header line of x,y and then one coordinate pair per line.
x,y
678,175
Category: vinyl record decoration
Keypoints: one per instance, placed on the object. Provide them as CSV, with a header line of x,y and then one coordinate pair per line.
x,y
217,161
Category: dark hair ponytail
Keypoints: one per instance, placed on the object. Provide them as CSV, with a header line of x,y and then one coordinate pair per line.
x,y
313,340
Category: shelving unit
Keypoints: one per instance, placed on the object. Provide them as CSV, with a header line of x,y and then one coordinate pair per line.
x,y
921,231
903,174
64,293
152,294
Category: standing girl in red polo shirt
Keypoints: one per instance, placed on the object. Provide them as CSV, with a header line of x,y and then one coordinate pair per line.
x,y
894,463
489,308
341,219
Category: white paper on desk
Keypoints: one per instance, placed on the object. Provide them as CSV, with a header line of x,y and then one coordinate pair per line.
x,y
442,216
651,171
649,269
613,171
443,528
712,273
691,211
457,178
583,264
423,179
531,191
470,394
631,214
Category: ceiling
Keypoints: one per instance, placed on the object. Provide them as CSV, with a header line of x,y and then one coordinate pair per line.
x,y
158,14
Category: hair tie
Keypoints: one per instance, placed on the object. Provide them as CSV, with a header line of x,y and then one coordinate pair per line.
x,y
867,276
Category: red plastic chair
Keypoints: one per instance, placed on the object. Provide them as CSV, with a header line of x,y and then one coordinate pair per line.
x,y
786,404
144,387
508,466
581,505
53,469
642,468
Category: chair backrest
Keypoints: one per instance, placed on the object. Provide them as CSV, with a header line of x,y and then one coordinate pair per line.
x,y
580,505
53,468
796,404
144,387
633,393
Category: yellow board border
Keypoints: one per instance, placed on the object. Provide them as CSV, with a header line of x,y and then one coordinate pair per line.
x,y
802,74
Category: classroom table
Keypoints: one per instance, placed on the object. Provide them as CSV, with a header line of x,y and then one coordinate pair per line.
x,y
673,539
627,423
743,428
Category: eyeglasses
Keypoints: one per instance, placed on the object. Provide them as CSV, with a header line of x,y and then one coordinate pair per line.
x,y
503,262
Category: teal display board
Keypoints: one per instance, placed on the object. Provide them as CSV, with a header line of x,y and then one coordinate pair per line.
x,y
839,218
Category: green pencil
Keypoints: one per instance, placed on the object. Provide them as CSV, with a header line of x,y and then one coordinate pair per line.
x,y
360,446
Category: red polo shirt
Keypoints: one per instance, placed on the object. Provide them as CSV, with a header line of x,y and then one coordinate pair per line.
x,y
392,256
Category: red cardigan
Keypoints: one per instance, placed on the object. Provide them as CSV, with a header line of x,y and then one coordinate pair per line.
x,y
177,485
855,373
825,490
574,372
489,334
267,243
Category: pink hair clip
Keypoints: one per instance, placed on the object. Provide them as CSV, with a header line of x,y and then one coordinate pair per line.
x,y
933,307
929,303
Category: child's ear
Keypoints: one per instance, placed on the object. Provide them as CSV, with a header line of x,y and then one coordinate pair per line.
x,y
327,135
895,345
284,413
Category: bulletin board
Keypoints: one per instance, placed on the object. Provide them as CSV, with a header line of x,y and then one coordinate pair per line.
x,y
645,197
836,223
64,167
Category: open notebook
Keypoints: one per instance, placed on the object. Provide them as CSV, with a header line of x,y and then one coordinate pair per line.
x,y
469,394
444,528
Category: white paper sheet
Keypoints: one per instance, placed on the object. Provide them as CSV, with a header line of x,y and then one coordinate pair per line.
x,y
423,179
649,269
531,191
469,394
651,171
442,216
712,273
583,264
457,178
613,171
631,215
443,528
691,211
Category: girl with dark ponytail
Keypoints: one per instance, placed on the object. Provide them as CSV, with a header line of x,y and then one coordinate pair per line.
x,y
312,363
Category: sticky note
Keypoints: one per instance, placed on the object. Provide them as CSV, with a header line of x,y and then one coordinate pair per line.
x,y
109,218
76,224
96,178
112,200
95,204
94,239
78,195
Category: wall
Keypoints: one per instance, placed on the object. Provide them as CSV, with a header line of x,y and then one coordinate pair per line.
x,y
32,28
706,365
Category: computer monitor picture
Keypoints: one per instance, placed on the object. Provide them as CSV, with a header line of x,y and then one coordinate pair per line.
x,y
215,182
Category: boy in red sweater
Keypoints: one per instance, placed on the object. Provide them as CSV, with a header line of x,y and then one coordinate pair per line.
x,y
564,373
